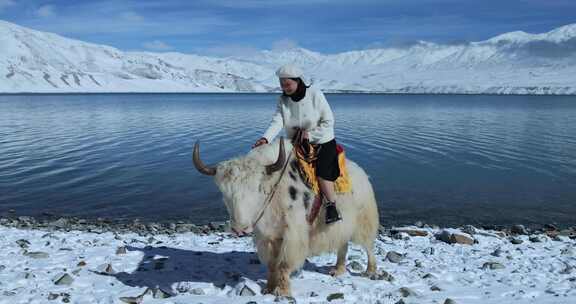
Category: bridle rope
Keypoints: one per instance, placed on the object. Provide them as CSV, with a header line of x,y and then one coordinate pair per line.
x,y
271,194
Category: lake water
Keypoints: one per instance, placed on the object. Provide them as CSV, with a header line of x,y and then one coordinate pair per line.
x,y
440,159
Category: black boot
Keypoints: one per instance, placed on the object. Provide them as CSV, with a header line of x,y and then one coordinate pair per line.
x,y
332,214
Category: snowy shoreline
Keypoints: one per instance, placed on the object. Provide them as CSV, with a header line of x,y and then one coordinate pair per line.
x,y
144,263
571,92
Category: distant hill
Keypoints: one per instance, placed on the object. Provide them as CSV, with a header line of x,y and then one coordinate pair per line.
x,y
511,63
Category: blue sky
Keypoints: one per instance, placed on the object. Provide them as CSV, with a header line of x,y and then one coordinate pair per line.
x,y
235,27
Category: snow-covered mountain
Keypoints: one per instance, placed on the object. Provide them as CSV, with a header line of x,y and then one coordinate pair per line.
x,y
511,63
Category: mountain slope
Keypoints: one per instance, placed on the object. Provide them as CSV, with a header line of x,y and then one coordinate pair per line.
x,y
511,63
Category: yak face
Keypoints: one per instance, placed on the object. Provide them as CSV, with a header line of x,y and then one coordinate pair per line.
x,y
239,181
242,182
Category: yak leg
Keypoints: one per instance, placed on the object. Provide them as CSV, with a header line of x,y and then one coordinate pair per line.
x,y
371,268
283,281
340,267
272,281
273,271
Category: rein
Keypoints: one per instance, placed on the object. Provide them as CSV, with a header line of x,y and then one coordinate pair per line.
x,y
271,195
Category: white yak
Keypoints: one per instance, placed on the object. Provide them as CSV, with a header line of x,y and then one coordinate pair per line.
x,y
264,194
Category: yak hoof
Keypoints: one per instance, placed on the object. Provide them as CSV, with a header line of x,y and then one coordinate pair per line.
x,y
281,292
336,271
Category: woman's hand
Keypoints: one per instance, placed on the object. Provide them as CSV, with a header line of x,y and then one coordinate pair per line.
x,y
260,142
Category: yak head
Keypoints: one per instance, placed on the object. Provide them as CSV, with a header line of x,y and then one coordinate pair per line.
x,y
245,182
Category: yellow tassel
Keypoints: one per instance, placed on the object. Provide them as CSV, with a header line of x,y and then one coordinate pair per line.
x,y
342,183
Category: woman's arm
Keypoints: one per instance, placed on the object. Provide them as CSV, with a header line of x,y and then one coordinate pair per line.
x,y
276,124
326,122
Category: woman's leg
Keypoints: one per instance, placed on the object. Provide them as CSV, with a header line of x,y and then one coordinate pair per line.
x,y
327,188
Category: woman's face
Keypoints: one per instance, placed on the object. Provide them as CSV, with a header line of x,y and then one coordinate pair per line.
x,y
288,85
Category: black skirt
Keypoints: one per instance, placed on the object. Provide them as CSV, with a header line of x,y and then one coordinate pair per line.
x,y
327,162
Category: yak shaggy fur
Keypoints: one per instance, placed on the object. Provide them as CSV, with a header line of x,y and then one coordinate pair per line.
x,y
282,236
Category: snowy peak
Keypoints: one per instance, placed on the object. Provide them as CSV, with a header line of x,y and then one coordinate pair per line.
x,y
514,62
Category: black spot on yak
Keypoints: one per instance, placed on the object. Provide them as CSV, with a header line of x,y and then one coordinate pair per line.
x,y
294,165
306,199
292,192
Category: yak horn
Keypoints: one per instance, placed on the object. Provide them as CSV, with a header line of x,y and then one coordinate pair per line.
x,y
279,162
200,166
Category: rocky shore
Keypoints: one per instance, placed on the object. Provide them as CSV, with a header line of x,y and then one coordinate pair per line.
x,y
73,260
102,225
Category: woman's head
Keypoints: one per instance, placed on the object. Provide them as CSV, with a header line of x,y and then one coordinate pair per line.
x,y
290,77
289,85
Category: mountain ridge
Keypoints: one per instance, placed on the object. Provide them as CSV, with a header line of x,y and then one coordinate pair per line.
x,y
510,63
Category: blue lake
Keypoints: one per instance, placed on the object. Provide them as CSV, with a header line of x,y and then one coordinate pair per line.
x,y
443,159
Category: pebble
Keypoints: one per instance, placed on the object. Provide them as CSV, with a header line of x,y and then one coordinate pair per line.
x,y
394,257
121,250
62,279
449,301
519,229
407,292
516,241
335,296
356,266
37,254
493,265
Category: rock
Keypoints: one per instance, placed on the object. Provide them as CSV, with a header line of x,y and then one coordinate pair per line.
x,y
400,302
105,269
401,236
519,229
63,279
246,288
394,257
159,293
449,301
535,239
132,300
469,229
435,288
60,223
380,275
53,296
407,292
356,266
418,264
81,264
23,243
550,227
335,296
121,250
246,292
497,252
37,254
197,291
429,276
443,236
428,251
492,265
285,299
461,239
516,241
410,231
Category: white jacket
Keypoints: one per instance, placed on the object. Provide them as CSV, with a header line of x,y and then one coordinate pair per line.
x,y
311,113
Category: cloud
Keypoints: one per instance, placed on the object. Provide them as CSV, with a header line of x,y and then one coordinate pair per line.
x,y
157,45
45,11
5,4
284,44
548,49
230,50
131,17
